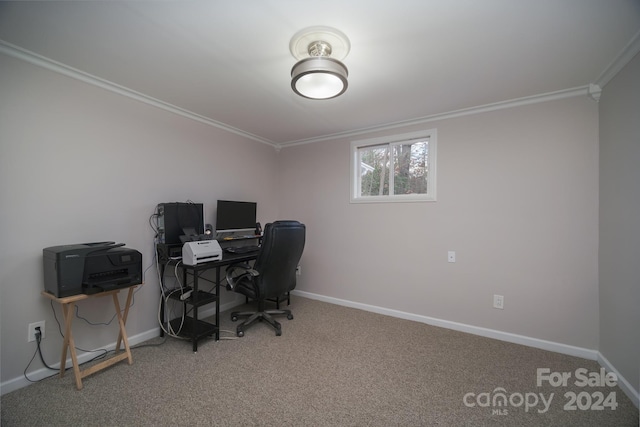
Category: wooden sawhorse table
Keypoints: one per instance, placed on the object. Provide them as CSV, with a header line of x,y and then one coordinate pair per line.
x,y
68,304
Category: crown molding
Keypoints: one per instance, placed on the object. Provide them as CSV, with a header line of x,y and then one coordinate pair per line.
x,y
624,57
592,90
534,99
57,67
595,91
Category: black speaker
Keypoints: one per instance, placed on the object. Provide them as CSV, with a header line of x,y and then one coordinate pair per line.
x,y
258,229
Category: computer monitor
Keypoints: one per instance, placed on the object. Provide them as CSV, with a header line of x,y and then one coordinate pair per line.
x,y
232,216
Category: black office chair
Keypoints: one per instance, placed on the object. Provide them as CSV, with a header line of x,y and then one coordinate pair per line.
x,y
273,273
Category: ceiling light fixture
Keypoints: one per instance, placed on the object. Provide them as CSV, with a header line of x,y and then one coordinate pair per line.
x,y
319,74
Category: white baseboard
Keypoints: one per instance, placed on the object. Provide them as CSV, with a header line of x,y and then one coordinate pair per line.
x,y
628,389
17,383
239,300
475,330
489,333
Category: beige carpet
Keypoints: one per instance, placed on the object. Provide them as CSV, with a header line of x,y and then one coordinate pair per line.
x,y
332,366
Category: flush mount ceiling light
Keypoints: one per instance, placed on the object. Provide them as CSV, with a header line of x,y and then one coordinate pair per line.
x,y
319,74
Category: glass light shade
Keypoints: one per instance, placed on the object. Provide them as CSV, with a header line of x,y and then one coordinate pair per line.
x,y
319,77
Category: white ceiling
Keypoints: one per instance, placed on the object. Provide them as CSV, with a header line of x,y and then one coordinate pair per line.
x,y
228,61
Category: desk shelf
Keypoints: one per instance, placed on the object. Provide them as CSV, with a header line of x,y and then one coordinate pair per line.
x,y
193,328
197,299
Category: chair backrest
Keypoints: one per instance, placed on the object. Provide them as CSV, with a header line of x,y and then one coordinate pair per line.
x,y
282,246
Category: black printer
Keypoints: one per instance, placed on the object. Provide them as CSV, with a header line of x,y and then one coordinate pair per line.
x,y
89,268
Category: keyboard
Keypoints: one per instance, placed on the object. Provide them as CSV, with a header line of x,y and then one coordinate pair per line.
x,y
242,249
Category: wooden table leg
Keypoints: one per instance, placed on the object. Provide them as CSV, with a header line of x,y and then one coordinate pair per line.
x,y
67,311
68,306
65,342
122,336
124,316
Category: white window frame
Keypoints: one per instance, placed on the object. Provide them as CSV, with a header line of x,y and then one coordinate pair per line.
x,y
355,169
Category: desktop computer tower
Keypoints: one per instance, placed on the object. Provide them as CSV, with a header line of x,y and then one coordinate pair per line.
x,y
179,219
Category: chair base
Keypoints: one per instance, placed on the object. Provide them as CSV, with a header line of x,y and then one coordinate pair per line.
x,y
253,316
285,297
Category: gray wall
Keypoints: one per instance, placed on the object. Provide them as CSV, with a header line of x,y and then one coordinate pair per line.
x,y
517,201
81,164
620,222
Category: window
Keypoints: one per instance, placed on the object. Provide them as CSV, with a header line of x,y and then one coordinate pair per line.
x,y
400,168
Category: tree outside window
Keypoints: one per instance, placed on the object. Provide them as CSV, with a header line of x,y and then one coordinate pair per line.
x,y
403,170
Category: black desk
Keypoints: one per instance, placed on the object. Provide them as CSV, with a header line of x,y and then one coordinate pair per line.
x,y
194,328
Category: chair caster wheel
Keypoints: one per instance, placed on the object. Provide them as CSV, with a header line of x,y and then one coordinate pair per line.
x,y
278,332
240,334
234,318
290,316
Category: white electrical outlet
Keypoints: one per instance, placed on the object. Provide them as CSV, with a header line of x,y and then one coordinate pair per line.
x,y
451,256
498,302
299,270
31,336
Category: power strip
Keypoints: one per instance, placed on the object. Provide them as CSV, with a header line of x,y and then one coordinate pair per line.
x,y
186,295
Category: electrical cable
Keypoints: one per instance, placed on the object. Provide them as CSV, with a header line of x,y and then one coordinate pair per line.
x,y
164,299
153,261
164,339
39,352
55,317
38,339
133,301
181,289
156,215
27,367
